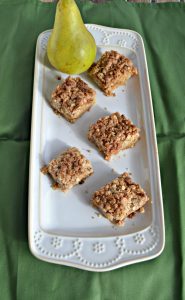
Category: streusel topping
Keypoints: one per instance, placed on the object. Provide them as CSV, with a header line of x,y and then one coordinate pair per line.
x,y
112,130
68,165
72,94
111,66
120,198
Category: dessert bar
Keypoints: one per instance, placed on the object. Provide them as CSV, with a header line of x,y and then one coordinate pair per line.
x,y
111,71
113,133
72,98
68,169
119,199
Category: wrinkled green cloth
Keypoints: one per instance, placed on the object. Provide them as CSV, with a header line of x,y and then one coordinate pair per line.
x,y
24,277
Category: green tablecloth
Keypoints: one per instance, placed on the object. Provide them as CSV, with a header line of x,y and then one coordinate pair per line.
x,y
21,275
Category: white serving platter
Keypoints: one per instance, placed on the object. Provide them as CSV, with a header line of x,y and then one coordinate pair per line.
x,y
63,227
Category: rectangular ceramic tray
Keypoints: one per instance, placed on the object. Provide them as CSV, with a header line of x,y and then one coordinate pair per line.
x,y
63,227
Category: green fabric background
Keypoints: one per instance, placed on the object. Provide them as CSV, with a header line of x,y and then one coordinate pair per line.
x,y
22,276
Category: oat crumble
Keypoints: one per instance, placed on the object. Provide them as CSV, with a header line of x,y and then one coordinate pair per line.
x,y
112,70
72,98
68,169
113,133
119,199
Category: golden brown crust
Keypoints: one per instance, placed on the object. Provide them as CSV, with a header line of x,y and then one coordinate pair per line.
x,y
68,169
44,170
111,71
72,98
113,133
119,199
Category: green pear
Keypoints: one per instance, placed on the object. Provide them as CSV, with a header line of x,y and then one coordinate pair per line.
x,y
71,48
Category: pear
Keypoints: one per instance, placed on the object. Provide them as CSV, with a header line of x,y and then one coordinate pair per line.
x,y
71,48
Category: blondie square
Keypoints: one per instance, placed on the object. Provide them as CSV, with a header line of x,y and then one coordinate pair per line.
x,y
72,98
112,70
68,169
113,133
119,199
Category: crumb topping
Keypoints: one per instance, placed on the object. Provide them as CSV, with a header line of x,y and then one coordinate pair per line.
x,y
120,198
111,131
68,166
110,68
44,170
72,94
